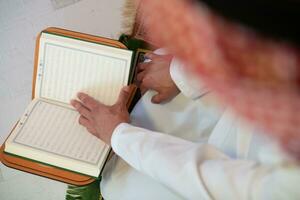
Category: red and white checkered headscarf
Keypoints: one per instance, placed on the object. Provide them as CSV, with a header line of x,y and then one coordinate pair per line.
x,y
257,77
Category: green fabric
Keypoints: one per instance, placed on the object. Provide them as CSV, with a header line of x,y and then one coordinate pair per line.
x,y
86,192
133,43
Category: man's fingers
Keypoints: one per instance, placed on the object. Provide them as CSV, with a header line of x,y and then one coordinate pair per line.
x,y
151,55
92,131
142,66
158,98
140,76
81,109
84,122
143,89
124,95
88,101
148,83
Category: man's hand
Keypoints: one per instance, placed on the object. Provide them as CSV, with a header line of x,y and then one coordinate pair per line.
x,y
99,119
155,75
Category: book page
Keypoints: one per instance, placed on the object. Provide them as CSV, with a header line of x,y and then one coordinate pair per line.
x,y
50,131
67,66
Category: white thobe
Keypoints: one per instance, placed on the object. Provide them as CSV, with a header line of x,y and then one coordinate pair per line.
x,y
190,148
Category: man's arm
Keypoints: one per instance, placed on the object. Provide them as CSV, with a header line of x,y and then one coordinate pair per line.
x,y
192,170
200,171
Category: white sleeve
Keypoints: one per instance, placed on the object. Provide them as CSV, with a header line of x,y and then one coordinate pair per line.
x,y
200,171
189,84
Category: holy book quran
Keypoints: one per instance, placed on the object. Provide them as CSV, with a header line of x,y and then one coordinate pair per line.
x,y
48,139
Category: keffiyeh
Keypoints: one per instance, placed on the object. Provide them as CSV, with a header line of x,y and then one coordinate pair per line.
x,y
256,76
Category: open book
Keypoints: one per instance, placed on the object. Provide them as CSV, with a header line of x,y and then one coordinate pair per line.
x,y
49,132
